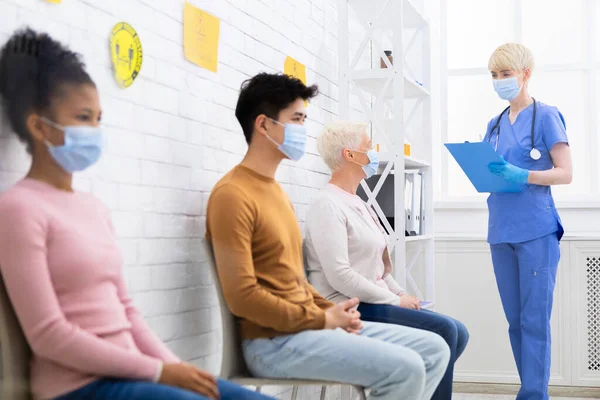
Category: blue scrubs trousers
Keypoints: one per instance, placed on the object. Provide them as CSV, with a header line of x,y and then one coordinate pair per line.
x,y
526,276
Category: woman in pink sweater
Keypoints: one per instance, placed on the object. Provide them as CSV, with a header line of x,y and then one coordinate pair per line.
x,y
58,254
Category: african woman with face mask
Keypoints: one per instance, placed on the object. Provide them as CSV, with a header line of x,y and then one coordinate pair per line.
x,y
59,257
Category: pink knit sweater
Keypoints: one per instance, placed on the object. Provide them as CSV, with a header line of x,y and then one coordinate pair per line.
x,y
63,272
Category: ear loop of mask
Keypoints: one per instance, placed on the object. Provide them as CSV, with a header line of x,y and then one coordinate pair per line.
x,y
269,137
52,124
356,162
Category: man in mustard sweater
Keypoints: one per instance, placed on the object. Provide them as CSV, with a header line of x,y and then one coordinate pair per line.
x,y
288,329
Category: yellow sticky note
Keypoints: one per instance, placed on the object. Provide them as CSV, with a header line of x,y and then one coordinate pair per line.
x,y
54,1
201,37
294,68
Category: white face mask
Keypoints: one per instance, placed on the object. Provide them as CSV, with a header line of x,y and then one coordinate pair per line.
x,y
507,88
294,140
83,146
371,168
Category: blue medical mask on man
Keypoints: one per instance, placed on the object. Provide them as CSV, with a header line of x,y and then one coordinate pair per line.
x,y
83,146
369,169
507,88
294,140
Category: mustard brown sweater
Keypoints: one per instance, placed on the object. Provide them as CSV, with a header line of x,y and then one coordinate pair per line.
x,y
258,249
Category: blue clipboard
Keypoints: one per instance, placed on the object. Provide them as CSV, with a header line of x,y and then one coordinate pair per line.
x,y
473,159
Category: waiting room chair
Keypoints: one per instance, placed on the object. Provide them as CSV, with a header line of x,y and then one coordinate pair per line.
x,y
233,366
15,351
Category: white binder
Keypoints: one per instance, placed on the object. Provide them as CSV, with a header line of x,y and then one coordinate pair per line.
x,y
408,196
422,205
413,199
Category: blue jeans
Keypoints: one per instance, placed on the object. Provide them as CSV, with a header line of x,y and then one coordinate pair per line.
x,y
392,361
454,333
526,276
120,389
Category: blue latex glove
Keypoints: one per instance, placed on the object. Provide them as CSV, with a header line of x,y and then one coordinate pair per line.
x,y
509,172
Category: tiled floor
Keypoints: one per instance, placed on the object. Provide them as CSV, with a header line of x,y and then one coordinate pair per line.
x,y
334,393
503,397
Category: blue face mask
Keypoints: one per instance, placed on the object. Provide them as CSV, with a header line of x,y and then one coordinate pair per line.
x,y
507,89
371,168
83,147
294,140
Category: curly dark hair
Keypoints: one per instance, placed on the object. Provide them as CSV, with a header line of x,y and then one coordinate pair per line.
x,y
268,94
34,68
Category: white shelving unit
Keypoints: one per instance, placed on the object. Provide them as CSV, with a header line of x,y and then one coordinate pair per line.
x,y
384,95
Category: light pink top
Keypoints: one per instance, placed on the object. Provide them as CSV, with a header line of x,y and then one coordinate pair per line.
x,y
63,272
345,250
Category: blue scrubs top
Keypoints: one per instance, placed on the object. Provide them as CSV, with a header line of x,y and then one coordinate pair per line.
x,y
529,214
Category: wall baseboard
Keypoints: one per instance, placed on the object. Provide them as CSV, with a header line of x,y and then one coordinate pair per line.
x,y
559,391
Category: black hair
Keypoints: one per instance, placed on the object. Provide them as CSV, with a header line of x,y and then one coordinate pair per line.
x,y
268,94
33,69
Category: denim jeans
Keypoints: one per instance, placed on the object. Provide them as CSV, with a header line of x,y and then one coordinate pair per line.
x,y
454,333
120,389
391,361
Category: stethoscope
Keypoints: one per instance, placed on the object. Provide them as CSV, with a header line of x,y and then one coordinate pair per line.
x,y
534,153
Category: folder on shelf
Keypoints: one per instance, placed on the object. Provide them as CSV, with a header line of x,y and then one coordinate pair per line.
x,y
407,203
473,159
416,206
413,200
422,204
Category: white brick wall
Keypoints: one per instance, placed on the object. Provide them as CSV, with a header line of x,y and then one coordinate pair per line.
x,y
173,134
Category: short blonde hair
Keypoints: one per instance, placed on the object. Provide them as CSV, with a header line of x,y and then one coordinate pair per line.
x,y
337,136
511,56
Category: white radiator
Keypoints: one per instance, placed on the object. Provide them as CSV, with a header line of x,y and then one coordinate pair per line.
x,y
593,313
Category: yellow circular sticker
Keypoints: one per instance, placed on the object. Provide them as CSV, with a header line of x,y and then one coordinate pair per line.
x,y
126,53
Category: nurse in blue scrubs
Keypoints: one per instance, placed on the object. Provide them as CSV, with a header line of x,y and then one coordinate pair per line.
x,y
524,228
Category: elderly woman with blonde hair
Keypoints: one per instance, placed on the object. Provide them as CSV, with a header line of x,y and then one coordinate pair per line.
x,y
346,247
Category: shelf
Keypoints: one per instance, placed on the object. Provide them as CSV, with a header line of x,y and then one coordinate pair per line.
x,y
386,23
413,163
368,10
409,162
373,80
419,238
